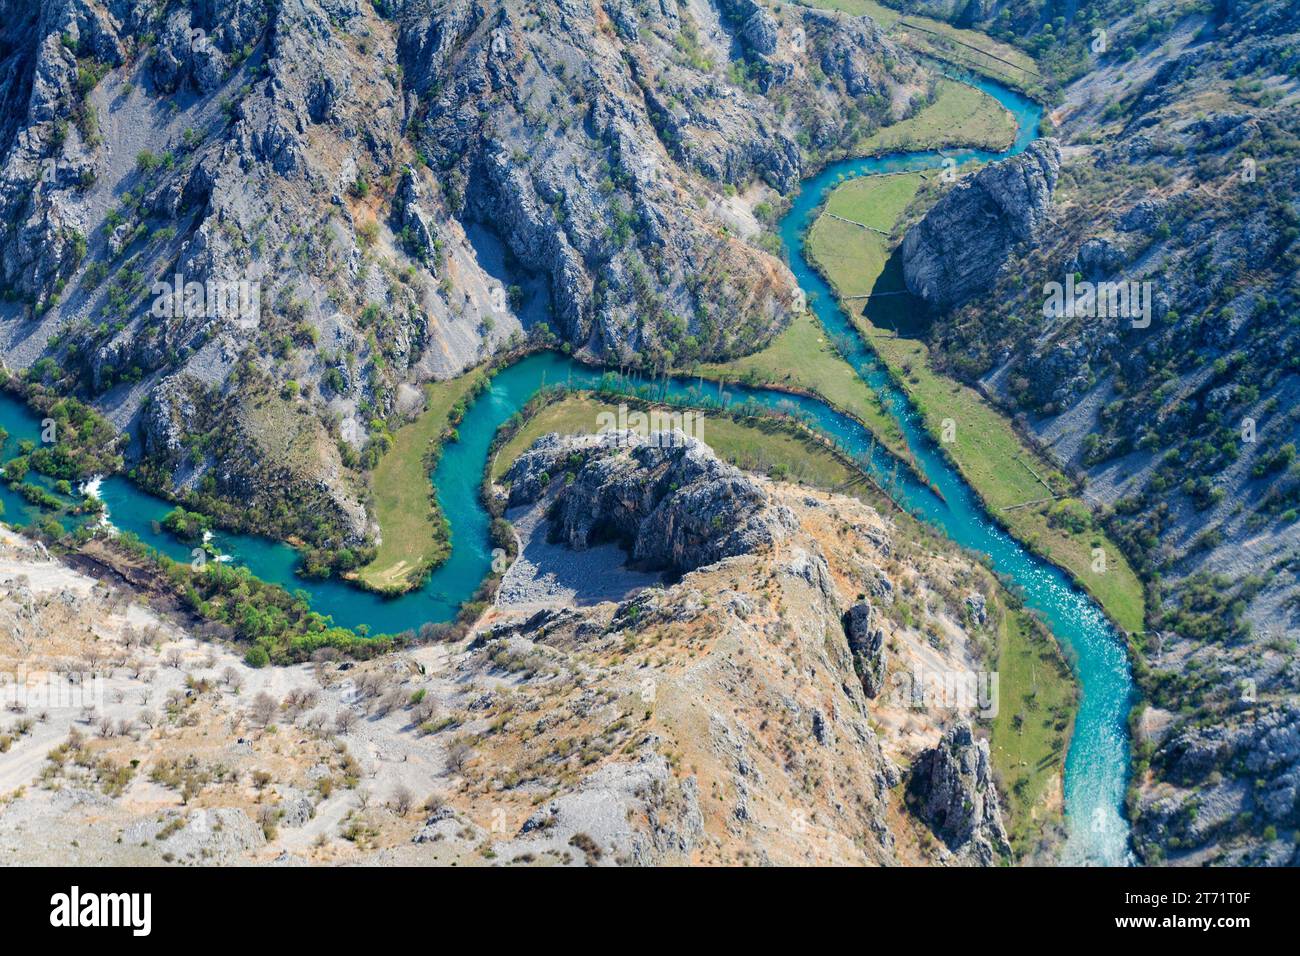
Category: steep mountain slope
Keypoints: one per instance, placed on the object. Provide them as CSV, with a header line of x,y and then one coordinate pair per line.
x,y
345,199
1168,382
768,707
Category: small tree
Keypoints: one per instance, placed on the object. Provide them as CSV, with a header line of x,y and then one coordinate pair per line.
x,y
267,817
392,700
403,800
458,756
435,802
263,709
424,710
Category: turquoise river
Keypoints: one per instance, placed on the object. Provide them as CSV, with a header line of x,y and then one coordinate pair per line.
x,y
1097,764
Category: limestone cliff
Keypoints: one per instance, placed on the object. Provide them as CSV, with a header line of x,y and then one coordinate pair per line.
x,y
953,787
957,250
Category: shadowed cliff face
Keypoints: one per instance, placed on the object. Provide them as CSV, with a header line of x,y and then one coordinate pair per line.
x,y
398,189
675,507
584,136
952,789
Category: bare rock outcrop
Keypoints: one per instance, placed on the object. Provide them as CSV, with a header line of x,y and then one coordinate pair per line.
x,y
668,498
867,644
952,790
955,252
1202,796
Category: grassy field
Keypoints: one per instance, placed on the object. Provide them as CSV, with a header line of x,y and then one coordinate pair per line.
x,y
960,116
766,449
986,449
410,522
968,48
875,201
1031,732
859,8
803,358
856,256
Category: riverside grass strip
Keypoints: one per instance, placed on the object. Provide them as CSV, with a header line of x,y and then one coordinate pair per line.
x,y
803,358
959,116
985,439
413,532
969,49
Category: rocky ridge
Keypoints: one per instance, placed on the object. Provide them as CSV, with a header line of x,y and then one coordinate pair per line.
x,y
624,485
666,497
